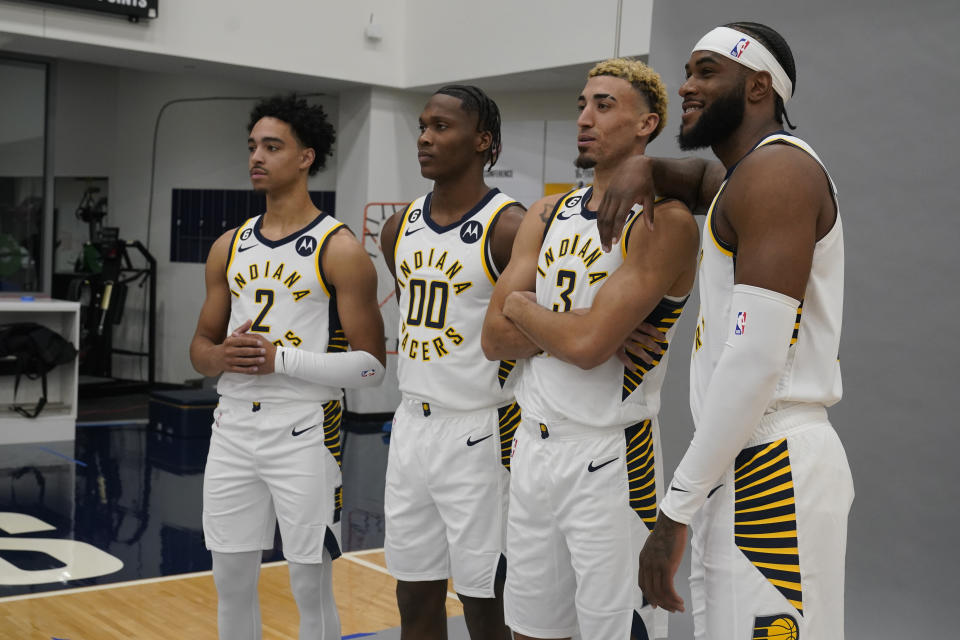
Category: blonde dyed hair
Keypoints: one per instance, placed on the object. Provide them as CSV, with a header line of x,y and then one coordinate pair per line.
x,y
642,78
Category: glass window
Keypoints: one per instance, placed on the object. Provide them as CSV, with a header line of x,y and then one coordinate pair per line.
x,y
22,147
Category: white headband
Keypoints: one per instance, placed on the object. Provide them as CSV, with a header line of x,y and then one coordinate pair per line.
x,y
748,51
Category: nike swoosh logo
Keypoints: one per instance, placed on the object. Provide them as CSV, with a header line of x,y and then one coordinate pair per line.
x,y
592,468
714,490
408,232
239,249
470,442
560,216
296,433
676,488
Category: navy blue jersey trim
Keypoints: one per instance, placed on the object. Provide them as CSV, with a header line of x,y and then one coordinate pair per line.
x,y
585,198
323,276
396,237
488,244
781,132
233,247
484,201
273,244
561,203
713,225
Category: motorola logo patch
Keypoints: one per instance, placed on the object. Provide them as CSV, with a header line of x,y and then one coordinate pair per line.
x,y
306,245
471,231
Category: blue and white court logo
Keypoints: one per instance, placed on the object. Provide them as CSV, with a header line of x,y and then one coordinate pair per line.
x,y
306,245
246,234
414,216
471,231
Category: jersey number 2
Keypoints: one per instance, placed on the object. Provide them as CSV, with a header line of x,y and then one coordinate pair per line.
x,y
262,295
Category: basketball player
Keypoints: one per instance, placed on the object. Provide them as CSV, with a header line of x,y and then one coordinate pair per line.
x,y
447,471
765,484
296,288
585,481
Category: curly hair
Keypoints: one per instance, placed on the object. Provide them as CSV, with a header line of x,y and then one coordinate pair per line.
x,y
308,123
644,79
474,100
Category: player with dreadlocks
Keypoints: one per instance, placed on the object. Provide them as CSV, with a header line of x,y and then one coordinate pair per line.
x,y
447,473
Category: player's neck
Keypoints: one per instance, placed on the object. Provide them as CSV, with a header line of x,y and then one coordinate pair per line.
x,y
453,198
601,180
287,211
745,138
603,172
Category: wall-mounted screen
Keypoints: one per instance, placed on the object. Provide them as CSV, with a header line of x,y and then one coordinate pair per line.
x,y
131,8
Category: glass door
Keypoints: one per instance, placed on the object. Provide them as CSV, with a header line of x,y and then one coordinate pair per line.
x,y
23,117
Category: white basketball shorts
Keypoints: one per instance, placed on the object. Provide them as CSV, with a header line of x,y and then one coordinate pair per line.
x,y
582,500
769,544
274,463
446,494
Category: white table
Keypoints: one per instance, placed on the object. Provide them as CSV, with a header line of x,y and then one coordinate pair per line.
x,y
58,420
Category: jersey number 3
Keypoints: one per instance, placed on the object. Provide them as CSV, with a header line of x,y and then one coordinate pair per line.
x,y
567,280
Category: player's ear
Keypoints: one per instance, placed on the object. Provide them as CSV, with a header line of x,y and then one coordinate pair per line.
x,y
759,86
484,140
308,155
648,124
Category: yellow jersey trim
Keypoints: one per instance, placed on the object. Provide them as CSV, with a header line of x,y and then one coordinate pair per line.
x,y
400,228
487,264
320,247
234,243
708,225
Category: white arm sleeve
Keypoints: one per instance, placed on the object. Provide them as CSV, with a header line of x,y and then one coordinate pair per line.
x,y
740,390
349,370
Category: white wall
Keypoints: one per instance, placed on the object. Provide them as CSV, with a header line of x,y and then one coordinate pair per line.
x,y
449,40
424,41
322,38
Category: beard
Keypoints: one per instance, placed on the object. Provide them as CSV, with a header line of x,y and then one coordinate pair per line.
x,y
584,162
716,123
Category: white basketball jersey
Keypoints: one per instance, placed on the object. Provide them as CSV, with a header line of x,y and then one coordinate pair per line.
x,y
812,371
571,268
445,276
279,284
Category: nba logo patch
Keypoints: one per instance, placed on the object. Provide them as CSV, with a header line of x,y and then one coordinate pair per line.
x,y
781,627
741,323
739,48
